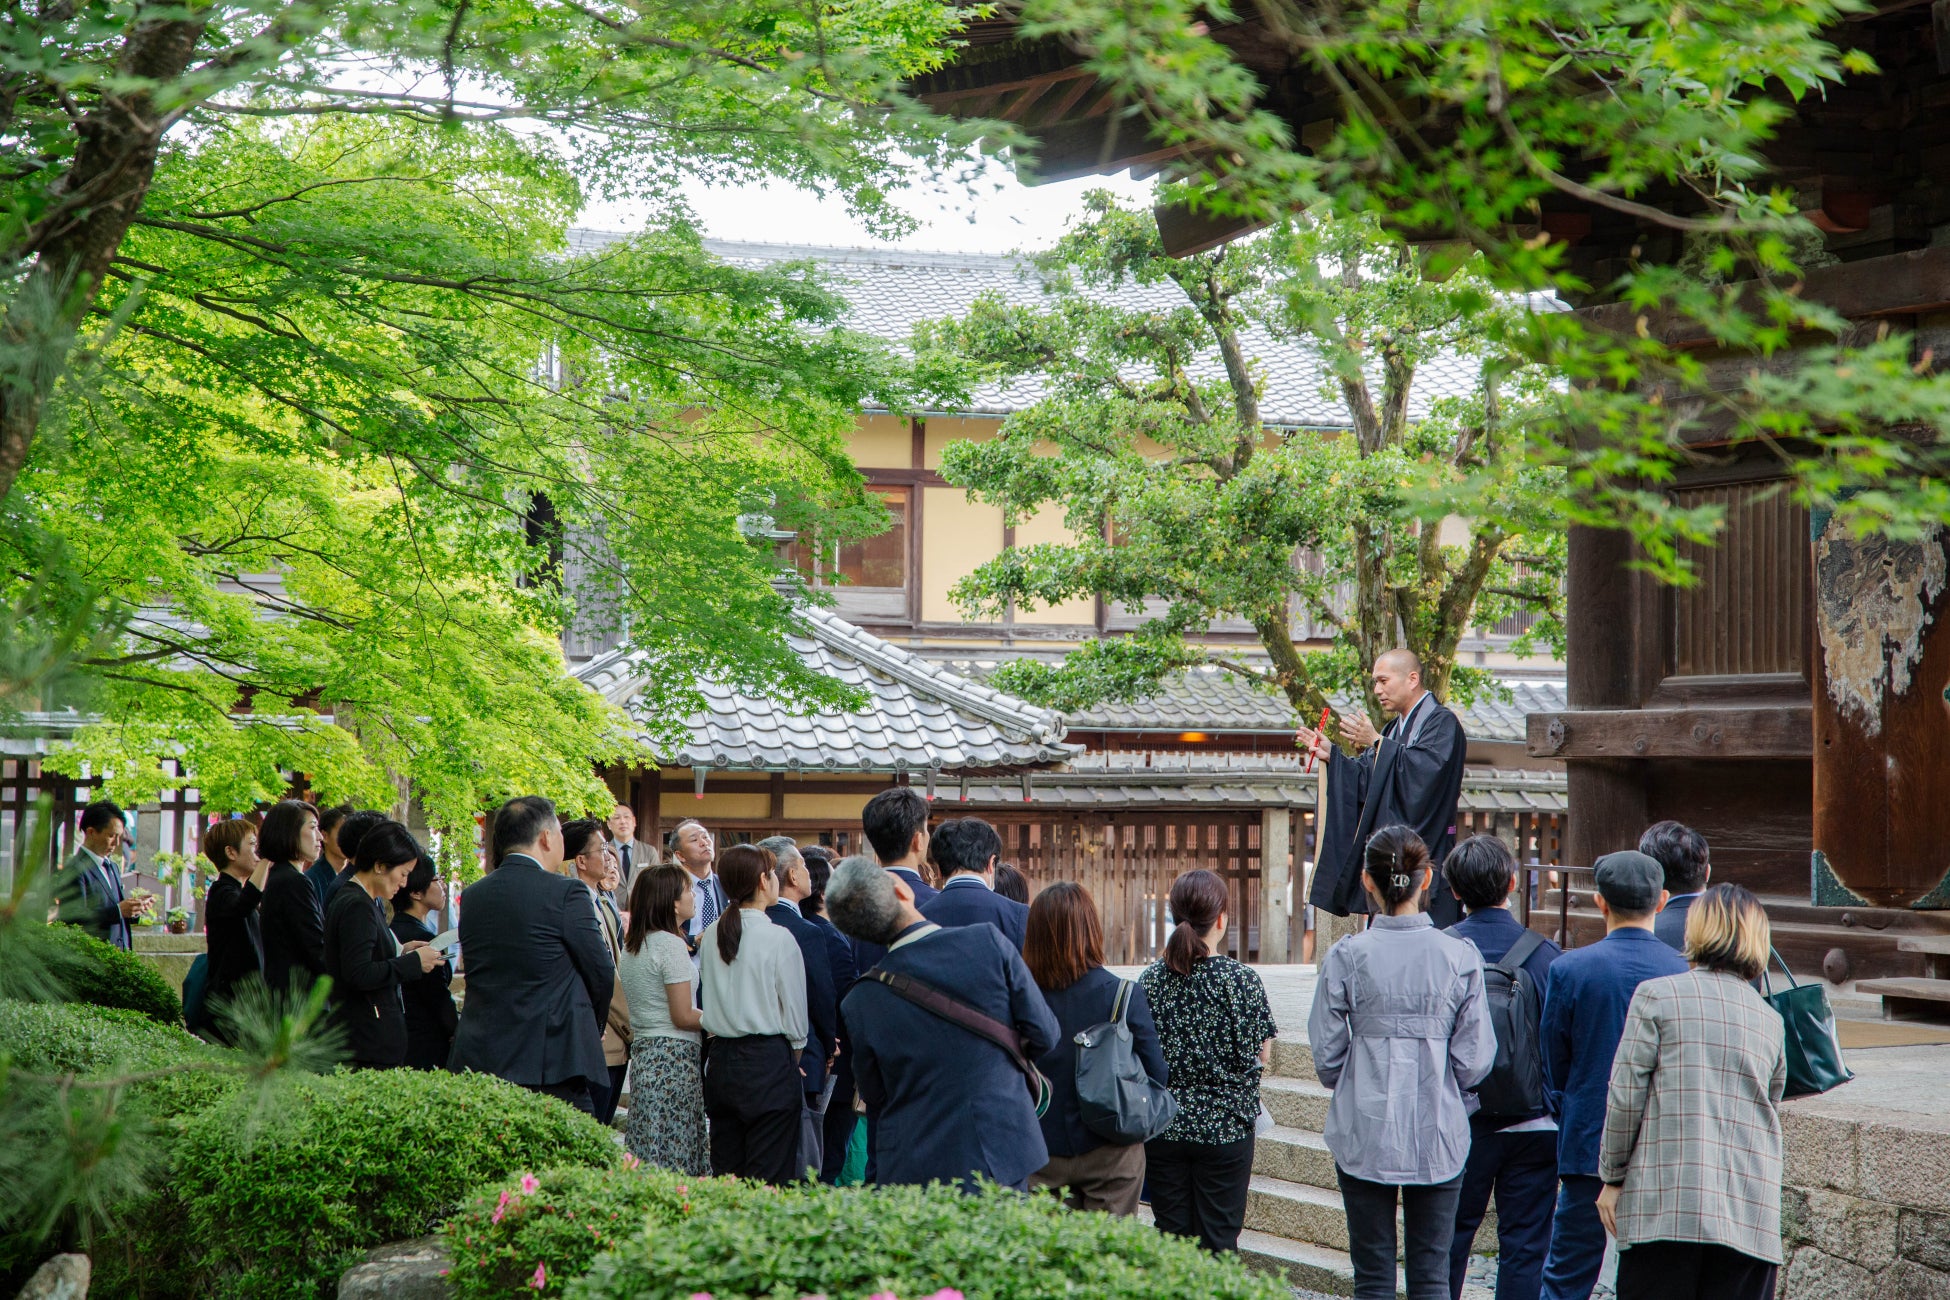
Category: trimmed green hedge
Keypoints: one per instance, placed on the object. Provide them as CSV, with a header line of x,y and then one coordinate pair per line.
x,y
104,976
849,1244
280,1204
558,1221
74,1038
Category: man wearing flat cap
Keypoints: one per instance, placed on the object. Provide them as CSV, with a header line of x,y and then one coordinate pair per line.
x,y
1585,1000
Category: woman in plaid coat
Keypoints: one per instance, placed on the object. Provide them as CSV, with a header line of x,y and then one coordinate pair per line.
x,y
1691,1155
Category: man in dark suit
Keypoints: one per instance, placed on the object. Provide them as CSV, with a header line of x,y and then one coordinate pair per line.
x,y
967,849
1585,999
1408,774
896,825
89,891
947,1103
1682,851
840,1119
538,971
822,997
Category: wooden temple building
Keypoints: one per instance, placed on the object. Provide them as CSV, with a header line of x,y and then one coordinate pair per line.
x,y
1794,705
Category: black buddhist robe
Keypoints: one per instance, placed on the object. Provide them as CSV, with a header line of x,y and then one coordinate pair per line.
x,y
1414,784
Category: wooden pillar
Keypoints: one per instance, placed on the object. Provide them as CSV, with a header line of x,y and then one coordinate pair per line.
x,y
1275,881
1611,648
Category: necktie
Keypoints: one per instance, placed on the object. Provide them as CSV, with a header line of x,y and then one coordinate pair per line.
x,y
708,912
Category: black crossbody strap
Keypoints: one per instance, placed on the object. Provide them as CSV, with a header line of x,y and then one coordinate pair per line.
x,y
931,999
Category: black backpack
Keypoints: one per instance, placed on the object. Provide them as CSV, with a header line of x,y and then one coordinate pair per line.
x,y
1514,1087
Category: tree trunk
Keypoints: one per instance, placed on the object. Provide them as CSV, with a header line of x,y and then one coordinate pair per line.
x,y
93,206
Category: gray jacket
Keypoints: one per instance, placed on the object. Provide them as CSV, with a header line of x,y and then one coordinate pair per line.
x,y
1399,1030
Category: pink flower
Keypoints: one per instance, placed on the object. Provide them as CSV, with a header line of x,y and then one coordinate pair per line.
x,y
630,1161
684,1189
540,1280
701,1295
528,1183
500,1209
947,1293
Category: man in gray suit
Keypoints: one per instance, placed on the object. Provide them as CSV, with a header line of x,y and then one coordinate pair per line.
x,y
631,852
539,974
88,891
1681,850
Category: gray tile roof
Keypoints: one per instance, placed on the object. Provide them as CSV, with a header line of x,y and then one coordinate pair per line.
x,y
919,715
1099,780
1215,701
891,291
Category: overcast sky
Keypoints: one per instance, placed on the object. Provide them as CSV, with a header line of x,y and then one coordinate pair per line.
x,y
1003,216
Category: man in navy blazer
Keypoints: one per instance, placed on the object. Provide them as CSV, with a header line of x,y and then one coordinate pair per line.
x,y
1585,1000
967,849
896,824
947,1103
1682,851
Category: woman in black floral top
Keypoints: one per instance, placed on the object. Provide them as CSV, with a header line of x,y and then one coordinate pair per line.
x,y
1214,1024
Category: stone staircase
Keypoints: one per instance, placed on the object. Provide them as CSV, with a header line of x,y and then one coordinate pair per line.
x,y
1296,1227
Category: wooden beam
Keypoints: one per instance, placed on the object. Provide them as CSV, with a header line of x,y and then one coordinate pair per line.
x,y
1091,147
1892,285
1776,731
1185,231
1275,874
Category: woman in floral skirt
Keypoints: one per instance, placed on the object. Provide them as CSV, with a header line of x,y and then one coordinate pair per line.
x,y
666,1117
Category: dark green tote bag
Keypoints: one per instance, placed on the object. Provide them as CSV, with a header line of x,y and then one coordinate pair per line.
x,y
1814,1053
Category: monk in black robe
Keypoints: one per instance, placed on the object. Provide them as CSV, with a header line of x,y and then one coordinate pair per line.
x,y
1409,774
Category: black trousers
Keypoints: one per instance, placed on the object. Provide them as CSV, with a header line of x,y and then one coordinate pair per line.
x,y
573,1091
839,1122
1199,1189
753,1099
1429,1221
604,1093
1692,1270
1521,1170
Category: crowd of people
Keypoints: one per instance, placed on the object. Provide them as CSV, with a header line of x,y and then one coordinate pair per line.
x,y
1626,1089
901,1018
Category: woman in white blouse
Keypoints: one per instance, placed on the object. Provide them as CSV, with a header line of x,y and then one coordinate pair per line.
x,y
666,1119
754,996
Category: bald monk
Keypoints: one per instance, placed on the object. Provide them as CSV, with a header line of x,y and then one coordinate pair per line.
x,y
1409,774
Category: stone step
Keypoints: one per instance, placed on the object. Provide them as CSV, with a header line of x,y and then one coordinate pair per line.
x,y
1296,1156
1298,1212
1911,999
1296,1103
1293,1059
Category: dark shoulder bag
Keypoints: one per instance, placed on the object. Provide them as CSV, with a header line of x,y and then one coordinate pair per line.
x,y
1814,1053
1118,1100
931,999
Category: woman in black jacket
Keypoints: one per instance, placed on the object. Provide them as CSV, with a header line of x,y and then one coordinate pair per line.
x,y
1063,947
366,963
430,1014
291,919
232,935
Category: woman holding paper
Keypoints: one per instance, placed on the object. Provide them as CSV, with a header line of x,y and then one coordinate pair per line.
x,y
430,1014
366,963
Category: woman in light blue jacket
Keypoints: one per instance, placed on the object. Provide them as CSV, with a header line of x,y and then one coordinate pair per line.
x,y
1399,1031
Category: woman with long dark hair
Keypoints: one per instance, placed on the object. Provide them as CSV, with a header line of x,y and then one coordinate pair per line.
x,y
1399,1030
666,1121
753,985
1063,946
1214,1024
367,964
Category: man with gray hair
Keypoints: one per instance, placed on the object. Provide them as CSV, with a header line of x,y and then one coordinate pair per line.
x,y
946,1097
822,995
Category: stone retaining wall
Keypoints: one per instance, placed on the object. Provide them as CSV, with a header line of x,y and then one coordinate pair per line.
x,y
1865,1208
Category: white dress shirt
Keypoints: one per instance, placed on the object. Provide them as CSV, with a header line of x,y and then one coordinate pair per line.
x,y
763,992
